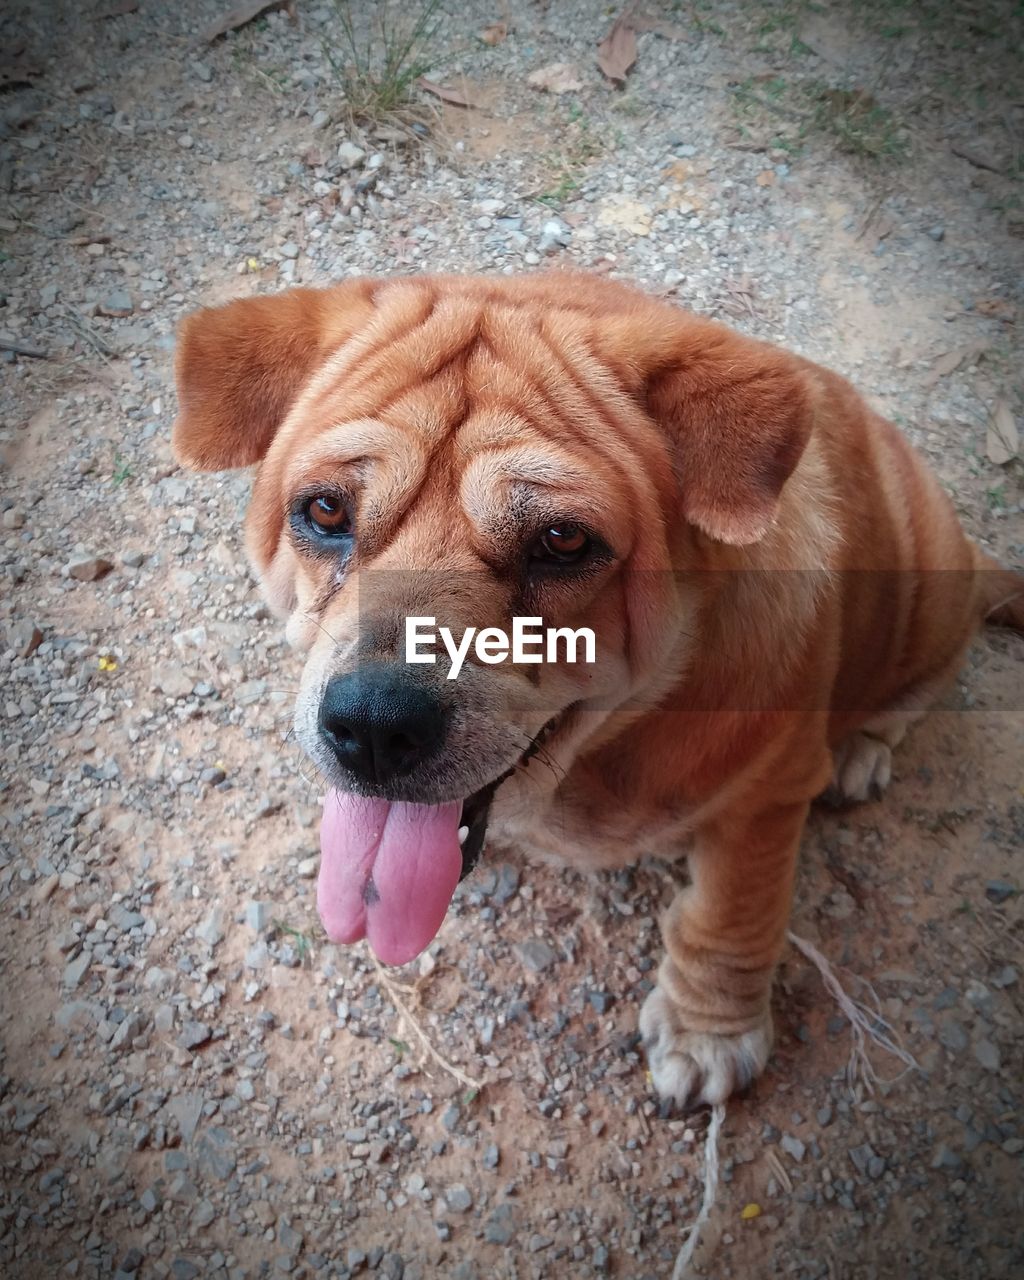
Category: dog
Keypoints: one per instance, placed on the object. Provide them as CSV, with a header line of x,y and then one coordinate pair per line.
x,y
776,582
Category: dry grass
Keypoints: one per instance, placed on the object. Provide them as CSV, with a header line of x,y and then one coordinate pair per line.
x,y
378,58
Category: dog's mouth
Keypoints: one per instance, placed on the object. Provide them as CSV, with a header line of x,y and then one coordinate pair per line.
x,y
388,869
476,809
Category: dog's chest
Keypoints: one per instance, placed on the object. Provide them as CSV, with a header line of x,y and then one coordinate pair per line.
x,y
584,830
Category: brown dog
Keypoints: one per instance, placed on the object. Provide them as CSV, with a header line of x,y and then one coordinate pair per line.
x,y
776,583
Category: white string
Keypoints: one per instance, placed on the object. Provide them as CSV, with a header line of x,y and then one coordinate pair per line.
x,y
866,1024
682,1267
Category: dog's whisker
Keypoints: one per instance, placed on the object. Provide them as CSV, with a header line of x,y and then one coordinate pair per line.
x,y
317,623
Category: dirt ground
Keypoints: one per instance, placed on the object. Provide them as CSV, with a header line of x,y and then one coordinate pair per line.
x,y
193,1082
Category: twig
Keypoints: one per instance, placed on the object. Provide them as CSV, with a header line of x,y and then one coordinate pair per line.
x,y
975,158
442,1062
22,349
779,1169
86,331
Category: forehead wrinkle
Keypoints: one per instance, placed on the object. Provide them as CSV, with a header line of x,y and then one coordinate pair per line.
x,y
350,442
435,408
398,310
565,407
499,487
413,357
638,453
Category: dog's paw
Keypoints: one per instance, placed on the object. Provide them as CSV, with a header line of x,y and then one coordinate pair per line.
x,y
862,769
691,1068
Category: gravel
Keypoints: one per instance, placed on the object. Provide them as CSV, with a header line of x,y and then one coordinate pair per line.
x,y
192,1081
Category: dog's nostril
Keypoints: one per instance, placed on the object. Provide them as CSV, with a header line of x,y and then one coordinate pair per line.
x,y
378,724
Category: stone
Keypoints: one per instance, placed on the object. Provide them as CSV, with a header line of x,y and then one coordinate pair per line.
x,y
988,1054
793,1146
187,1109
500,1227
211,929
76,971
349,155
124,919
458,1199
258,916
862,1157
117,304
203,1214
249,692
168,678
89,568
127,1031
600,1001
24,637
508,883
536,954
288,1238
999,891
194,1034
216,1154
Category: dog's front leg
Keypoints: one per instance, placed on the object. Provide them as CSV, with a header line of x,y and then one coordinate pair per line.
x,y
707,1024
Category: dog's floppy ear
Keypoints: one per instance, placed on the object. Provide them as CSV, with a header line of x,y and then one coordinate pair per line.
x,y
240,367
739,414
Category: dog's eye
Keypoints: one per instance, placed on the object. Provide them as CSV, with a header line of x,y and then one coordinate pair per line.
x,y
561,544
329,515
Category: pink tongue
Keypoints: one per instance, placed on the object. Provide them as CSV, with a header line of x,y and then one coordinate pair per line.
x,y
387,872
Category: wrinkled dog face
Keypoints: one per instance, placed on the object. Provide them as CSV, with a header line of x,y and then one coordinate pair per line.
x,y
450,471
473,451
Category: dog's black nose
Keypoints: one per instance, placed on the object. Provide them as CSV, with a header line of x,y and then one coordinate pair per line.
x,y
379,724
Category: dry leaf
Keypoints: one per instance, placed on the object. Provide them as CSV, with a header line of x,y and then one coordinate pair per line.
x,y
997,308
766,178
617,51
556,77
1002,441
496,33
245,13
952,360
626,214
452,96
